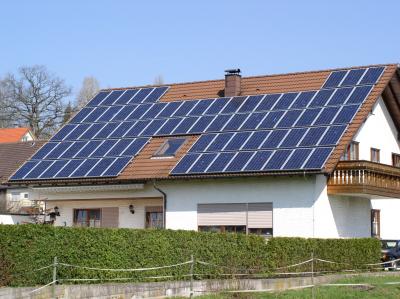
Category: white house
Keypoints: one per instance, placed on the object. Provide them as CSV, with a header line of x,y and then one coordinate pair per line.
x,y
312,154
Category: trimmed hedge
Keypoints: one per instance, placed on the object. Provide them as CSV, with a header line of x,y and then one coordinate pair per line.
x,y
24,248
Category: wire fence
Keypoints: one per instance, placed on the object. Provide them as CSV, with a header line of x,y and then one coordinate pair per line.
x,y
235,273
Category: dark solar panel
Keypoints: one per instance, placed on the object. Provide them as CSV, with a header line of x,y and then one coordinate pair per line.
x,y
112,97
219,164
334,79
277,160
353,77
258,161
317,158
98,98
239,161
372,75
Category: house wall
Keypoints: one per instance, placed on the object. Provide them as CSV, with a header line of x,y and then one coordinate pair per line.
x,y
390,209
19,198
301,206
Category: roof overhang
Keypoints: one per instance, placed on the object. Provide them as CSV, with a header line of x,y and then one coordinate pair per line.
x,y
88,188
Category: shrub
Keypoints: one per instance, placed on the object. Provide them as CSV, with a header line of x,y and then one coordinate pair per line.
x,y
25,248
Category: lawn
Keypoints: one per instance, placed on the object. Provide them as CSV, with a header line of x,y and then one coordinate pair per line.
x,y
377,289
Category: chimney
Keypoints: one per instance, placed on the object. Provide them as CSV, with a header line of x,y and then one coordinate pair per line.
x,y
232,82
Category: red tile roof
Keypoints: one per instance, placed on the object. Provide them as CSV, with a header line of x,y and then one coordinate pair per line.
x,y
12,134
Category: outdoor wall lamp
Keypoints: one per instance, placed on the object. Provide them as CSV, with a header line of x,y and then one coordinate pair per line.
x,y
56,211
132,209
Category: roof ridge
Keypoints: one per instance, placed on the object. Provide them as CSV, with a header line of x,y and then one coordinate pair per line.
x,y
251,77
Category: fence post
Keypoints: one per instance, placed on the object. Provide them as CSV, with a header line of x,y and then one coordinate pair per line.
x,y
53,286
191,275
312,275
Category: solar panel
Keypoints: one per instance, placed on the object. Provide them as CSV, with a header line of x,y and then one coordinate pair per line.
x,y
283,131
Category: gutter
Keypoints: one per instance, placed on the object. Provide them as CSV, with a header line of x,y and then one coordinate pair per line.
x,y
164,195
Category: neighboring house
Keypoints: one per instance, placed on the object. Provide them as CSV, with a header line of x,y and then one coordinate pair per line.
x,y
8,135
15,200
299,154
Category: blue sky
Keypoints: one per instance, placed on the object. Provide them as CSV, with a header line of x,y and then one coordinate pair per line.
x,y
128,43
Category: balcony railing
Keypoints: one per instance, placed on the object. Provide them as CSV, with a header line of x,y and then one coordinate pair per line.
x,y
88,223
365,178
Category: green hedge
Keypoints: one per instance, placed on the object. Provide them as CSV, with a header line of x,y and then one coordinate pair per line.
x,y
24,248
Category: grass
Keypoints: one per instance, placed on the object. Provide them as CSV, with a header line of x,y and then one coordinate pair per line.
x,y
377,289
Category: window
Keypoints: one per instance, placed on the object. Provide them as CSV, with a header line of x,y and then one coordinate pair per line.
x,y
396,160
375,155
87,217
154,217
351,152
375,223
169,147
250,218
15,196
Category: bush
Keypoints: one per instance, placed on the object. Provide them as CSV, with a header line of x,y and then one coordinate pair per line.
x,y
29,247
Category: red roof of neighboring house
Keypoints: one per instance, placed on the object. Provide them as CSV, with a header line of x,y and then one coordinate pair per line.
x,y
12,134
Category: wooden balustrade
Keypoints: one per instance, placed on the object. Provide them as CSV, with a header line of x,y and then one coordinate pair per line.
x,y
366,178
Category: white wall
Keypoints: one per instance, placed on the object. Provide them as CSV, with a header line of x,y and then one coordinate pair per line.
x,y
378,131
14,219
390,210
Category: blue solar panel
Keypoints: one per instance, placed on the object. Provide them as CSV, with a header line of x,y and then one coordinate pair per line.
x,y
326,116
277,160
353,77
102,150
153,127
112,97
274,139
250,103
321,98
220,162
289,119
201,125
98,98
372,75
185,108
217,106
170,109
38,169
332,135
95,114
24,169
303,100
53,169
154,110
63,132
334,79
117,166
118,148
156,94
297,159
73,149
359,95
101,167
110,113
340,96
84,168
253,121
137,128
220,141
219,122
68,169
140,96
200,108
202,143
267,102
185,125
256,139
124,113
169,126
293,137
185,163
237,141
88,149
135,147
233,105
239,161
308,117
44,150
235,122
258,161
346,114
271,120
285,101
203,162
313,136
81,115
78,131
139,112
58,150
317,158
122,129
125,98
106,131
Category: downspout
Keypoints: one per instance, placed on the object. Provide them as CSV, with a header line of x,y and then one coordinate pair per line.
x,y
164,195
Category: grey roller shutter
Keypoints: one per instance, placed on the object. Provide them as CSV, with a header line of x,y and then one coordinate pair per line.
x,y
221,214
110,217
260,215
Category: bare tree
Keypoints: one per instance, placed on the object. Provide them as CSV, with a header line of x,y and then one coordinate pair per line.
x,y
90,86
5,120
159,80
34,98
69,112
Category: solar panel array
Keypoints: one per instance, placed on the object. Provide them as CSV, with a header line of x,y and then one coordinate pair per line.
x,y
296,130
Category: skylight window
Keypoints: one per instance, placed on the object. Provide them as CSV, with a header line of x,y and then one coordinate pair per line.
x,y
170,147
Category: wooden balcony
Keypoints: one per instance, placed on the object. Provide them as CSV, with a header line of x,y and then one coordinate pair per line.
x,y
366,179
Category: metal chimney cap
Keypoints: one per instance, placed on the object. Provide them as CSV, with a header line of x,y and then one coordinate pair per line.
x,y
232,72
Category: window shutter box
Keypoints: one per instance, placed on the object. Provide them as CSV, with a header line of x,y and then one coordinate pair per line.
x,y
260,215
221,214
110,217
